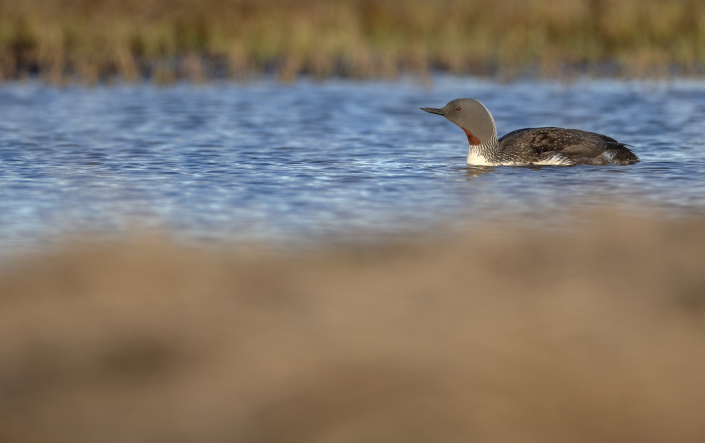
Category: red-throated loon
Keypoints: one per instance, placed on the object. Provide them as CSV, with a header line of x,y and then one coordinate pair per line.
x,y
530,146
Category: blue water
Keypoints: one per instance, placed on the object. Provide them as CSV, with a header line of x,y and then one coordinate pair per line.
x,y
266,161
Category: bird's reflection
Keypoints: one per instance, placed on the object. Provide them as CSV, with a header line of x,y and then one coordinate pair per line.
x,y
472,172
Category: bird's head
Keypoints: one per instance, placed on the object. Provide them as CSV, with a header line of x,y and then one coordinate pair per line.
x,y
472,117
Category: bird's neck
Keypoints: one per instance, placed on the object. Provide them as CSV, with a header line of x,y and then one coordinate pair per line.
x,y
487,152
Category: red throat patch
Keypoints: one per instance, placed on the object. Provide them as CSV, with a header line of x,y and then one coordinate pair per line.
x,y
471,138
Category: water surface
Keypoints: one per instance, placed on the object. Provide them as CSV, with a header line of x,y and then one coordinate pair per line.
x,y
324,160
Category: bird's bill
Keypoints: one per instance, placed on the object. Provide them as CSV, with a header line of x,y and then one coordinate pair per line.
x,y
433,110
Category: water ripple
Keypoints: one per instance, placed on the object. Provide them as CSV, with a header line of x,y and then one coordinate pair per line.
x,y
293,162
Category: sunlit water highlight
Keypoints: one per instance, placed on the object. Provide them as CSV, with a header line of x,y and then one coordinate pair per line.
x,y
324,160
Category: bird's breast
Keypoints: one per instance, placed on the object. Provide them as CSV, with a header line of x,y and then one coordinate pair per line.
x,y
477,159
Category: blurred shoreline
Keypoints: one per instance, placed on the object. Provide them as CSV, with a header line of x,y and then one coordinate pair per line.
x,y
504,333
201,40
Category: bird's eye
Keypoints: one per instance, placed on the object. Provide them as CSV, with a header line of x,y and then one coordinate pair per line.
x,y
458,108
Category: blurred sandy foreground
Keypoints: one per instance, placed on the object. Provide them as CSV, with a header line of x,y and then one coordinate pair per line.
x,y
512,335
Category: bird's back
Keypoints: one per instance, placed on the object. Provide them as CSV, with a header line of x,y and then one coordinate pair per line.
x,y
563,146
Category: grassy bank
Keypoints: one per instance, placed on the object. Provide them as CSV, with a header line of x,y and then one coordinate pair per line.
x,y
199,39
512,335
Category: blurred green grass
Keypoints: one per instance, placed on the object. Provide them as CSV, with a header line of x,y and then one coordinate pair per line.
x,y
94,40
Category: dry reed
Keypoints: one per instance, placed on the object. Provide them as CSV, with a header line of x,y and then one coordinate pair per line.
x,y
513,335
164,40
